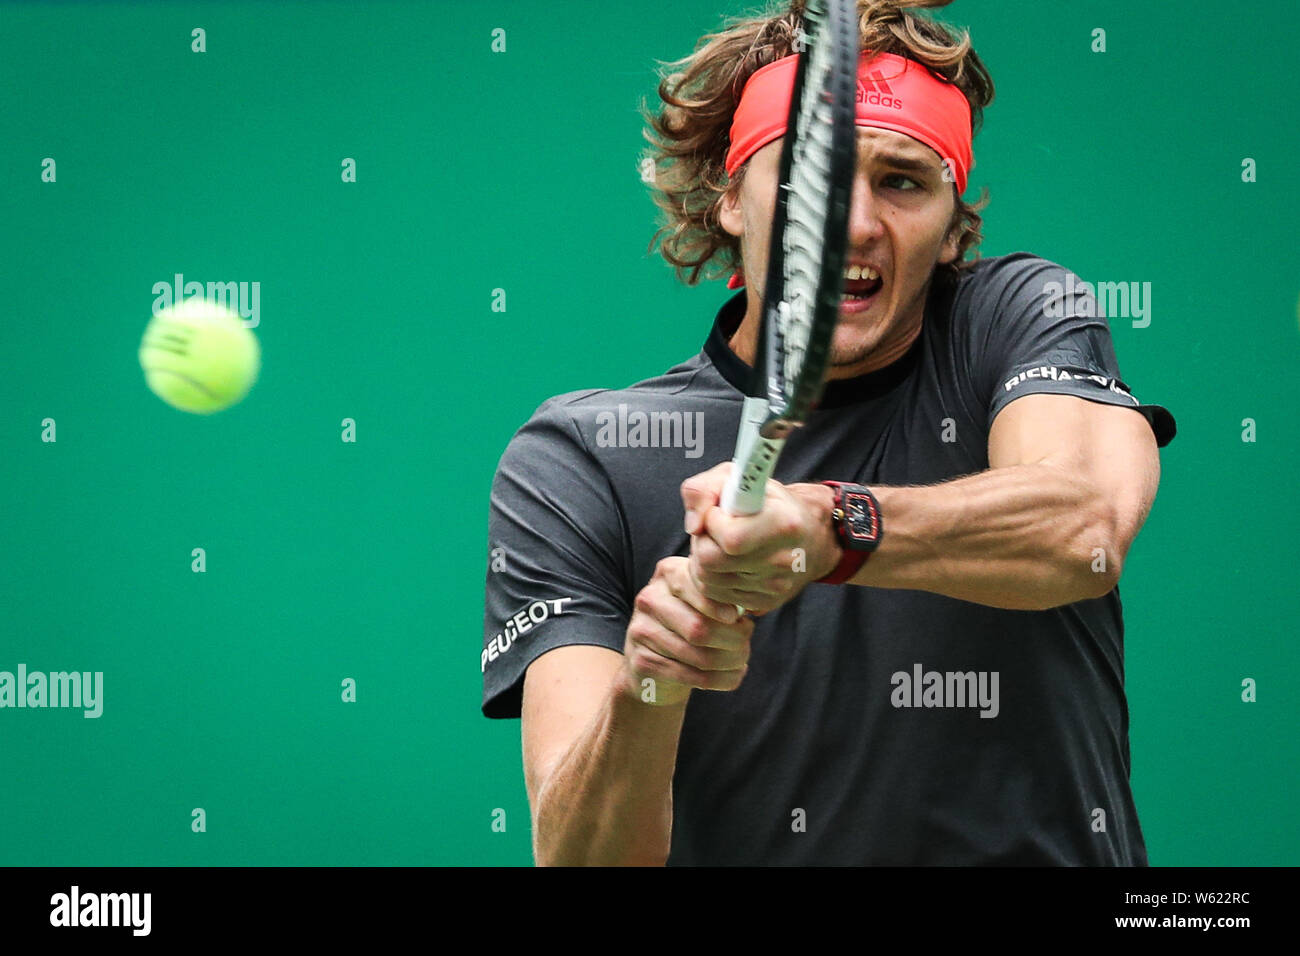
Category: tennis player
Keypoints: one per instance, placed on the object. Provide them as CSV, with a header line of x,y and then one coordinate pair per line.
x,y
932,669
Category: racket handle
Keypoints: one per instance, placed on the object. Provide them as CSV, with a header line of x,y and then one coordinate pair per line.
x,y
754,462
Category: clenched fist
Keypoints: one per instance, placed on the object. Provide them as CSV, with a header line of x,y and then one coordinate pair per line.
x,y
678,639
759,561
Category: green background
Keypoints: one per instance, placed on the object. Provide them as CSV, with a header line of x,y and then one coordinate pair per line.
x,y
518,170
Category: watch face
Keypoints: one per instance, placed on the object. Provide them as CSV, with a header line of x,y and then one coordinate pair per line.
x,y
861,519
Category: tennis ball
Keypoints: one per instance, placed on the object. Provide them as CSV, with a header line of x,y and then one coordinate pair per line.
x,y
199,356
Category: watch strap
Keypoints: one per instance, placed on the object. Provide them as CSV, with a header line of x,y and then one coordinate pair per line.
x,y
858,527
850,562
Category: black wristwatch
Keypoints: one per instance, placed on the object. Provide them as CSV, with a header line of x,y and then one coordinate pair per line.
x,y
858,526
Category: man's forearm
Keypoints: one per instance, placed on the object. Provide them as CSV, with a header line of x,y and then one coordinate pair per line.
x,y
1024,537
609,800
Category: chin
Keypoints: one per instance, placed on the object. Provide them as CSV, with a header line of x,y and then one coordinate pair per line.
x,y
853,345
843,357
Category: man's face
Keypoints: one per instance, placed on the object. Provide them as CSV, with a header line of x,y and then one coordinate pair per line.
x,y
899,222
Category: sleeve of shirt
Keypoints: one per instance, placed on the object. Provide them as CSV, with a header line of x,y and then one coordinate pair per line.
x,y
1038,329
557,556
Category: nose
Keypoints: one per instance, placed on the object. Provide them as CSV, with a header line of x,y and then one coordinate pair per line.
x,y
865,225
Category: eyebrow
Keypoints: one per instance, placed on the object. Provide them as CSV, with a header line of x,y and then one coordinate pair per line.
x,y
905,162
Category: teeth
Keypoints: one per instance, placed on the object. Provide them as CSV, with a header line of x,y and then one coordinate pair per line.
x,y
860,272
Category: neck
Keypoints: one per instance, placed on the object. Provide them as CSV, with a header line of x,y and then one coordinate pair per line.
x,y
885,353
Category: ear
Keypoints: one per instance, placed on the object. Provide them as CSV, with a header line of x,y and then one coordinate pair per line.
x,y
730,215
951,243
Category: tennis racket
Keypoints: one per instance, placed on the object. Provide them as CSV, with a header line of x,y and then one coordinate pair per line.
x,y
805,266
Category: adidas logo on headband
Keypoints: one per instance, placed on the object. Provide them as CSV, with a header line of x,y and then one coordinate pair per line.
x,y
883,95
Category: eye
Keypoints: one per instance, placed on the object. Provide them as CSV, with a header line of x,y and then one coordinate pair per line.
x,y
900,178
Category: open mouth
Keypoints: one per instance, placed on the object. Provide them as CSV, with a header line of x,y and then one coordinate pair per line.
x,y
860,284
860,289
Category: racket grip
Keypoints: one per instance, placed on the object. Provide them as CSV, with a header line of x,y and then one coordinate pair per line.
x,y
754,462
747,486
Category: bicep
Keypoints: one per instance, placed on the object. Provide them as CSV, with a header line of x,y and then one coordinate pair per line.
x,y
563,691
1110,446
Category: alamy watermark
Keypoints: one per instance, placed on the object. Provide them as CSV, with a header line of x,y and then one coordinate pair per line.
x,y
75,908
38,689
244,298
922,688
640,429
1109,300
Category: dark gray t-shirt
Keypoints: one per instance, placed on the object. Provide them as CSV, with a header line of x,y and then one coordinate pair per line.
x,y
875,726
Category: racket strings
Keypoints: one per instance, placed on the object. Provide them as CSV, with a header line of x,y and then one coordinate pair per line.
x,y
807,209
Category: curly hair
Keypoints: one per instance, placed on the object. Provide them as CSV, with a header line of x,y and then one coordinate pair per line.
x,y
691,135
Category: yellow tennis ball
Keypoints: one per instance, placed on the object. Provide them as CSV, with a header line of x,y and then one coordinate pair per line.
x,y
199,356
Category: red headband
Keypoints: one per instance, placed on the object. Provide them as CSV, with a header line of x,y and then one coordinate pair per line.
x,y
893,93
